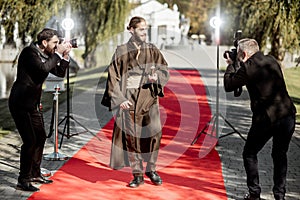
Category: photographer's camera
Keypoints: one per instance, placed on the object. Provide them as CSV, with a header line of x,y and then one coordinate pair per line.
x,y
73,42
232,54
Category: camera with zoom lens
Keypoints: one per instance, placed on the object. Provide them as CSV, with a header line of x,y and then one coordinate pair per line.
x,y
73,42
232,54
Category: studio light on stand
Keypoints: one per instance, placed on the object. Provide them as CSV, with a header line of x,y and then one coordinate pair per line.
x,y
215,22
68,25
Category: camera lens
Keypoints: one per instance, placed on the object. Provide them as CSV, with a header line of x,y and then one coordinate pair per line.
x,y
74,43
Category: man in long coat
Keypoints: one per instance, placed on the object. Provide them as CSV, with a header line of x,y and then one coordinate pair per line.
x,y
136,77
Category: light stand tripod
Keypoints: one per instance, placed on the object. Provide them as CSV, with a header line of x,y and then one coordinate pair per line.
x,y
215,117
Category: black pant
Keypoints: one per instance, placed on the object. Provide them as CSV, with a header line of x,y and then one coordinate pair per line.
x,y
141,144
31,129
260,132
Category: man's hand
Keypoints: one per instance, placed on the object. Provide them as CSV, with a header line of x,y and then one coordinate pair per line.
x,y
64,49
152,78
228,60
125,105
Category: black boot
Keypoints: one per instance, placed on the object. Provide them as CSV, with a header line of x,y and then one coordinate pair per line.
x,y
154,177
248,196
137,181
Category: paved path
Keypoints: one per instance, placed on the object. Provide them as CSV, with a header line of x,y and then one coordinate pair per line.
x,y
87,110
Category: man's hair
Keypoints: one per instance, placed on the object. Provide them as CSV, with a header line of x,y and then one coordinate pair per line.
x,y
46,34
134,22
249,45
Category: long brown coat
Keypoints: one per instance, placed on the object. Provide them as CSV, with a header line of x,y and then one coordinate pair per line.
x,y
125,57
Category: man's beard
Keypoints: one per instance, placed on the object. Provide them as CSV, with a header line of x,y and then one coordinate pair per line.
x,y
48,51
138,39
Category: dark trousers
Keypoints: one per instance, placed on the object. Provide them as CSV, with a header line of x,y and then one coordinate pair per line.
x,y
31,129
260,132
141,144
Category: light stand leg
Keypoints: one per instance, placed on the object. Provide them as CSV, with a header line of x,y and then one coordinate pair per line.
x,y
232,127
56,155
203,131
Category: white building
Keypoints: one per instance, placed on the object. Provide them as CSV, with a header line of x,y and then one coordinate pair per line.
x,y
164,23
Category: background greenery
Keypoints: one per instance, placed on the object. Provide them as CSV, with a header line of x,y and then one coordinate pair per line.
x,y
275,24
96,20
292,76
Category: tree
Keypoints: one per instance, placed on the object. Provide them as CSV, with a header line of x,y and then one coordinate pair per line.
x,y
270,22
29,15
274,23
99,19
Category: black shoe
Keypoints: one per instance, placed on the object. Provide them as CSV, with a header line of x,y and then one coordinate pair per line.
x,y
26,186
154,177
250,197
41,180
137,181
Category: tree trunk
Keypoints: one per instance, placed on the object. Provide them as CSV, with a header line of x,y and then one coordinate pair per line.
x,y
89,60
276,45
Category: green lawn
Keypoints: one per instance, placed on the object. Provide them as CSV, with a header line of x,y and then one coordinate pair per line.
x,y
292,76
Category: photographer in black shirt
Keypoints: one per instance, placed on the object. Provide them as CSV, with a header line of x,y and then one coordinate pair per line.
x,y
35,62
273,113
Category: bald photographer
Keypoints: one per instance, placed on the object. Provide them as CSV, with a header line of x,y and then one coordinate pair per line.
x,y
273,113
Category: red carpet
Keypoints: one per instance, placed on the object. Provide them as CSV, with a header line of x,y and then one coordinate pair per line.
x,y
188,172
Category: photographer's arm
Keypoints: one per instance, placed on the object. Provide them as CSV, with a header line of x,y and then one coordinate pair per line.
x,y
62,51
234,80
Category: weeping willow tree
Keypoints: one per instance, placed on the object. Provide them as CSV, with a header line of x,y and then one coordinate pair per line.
x,y
26,17
98,18
270,22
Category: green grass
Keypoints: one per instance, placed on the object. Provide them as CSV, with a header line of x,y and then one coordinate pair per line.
x,y
3,132
292,76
